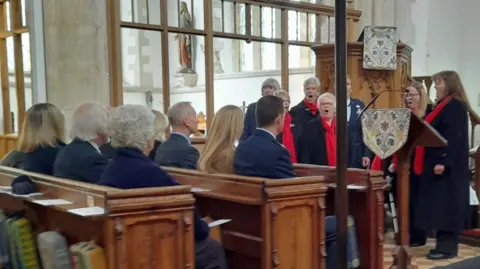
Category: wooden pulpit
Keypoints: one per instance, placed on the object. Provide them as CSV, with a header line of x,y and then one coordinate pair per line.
x,y
365,83
399,131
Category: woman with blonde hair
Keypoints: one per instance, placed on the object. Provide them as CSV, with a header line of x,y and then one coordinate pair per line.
x,y
223,135
42,136
443,192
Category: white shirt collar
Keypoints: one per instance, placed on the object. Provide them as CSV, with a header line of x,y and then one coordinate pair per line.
x,y
274,137
95,146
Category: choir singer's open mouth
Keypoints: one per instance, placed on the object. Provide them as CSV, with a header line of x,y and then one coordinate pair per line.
x,y
326,110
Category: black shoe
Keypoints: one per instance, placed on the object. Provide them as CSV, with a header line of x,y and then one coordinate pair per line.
x,y
417,244
434,255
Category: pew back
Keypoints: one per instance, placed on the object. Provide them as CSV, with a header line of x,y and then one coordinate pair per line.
x,y
366,192
275,223
140,228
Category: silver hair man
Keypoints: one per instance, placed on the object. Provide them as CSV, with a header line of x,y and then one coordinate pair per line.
x,y
132,126
90,123
183,118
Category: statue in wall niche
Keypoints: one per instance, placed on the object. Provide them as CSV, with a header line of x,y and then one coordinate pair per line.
x,y
185,48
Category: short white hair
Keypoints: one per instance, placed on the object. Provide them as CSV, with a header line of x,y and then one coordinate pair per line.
x,y
179,112
89,120
132,126
327,95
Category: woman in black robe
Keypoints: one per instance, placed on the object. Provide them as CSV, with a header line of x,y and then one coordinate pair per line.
x,y
443,189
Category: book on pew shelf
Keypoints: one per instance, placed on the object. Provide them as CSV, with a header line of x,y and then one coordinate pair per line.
x,y
50,202
355,187
88,211
195,189
218,222
27,195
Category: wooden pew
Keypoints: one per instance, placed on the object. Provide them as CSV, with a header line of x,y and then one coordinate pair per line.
x,y
275,223
366,190
141,228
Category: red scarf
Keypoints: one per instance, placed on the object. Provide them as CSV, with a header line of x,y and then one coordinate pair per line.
x,y
330,141
377,163
287,137
420,151
312,107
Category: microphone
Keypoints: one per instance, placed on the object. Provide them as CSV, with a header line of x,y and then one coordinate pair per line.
x,y
373,101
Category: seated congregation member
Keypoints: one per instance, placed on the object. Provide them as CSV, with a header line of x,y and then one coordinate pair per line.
x,y
133,130
261,155
223,136
307,109
443,191
269,86
81,159
358,153
317,143
42,137
177,150
290,132
163,131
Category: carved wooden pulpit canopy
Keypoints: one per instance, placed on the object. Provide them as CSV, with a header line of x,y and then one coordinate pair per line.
x,y
365,83
399,131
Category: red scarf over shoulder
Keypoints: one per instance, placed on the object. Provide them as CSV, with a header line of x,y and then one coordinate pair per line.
x,y
330,141
312,107
420,151
287,137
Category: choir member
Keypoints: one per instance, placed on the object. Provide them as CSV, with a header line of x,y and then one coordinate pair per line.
x,y
177,150
42,137
269,86
358,153
307,109
290,133
443,191
317,143
81,159
415,98
133,133
217,154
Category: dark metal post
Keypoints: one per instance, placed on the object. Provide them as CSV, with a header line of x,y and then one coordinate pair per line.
x,y
341,193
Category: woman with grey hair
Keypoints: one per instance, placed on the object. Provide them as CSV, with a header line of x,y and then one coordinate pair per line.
x,y
133,131
307,110
318,141
269,86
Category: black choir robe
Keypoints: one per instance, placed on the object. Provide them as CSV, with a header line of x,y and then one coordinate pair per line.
x,y
443,200
311,144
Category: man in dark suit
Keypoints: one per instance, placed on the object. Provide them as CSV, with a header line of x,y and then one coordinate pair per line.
x,y
81,159
358,153
261,155
177,150
269,86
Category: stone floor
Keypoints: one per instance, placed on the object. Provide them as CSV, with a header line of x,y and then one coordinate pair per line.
x,y
419,261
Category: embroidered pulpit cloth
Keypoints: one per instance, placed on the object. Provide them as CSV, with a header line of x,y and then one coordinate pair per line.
x,y
380,48
385,131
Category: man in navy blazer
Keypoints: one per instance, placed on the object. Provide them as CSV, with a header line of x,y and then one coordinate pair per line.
x,y
81,159
358,153
269,86
177,150
261,155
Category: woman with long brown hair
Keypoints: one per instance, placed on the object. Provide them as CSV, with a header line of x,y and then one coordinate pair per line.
x,y
217,154
443,189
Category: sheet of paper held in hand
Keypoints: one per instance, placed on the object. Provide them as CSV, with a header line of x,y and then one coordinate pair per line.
x,y
218,222
50,202
88,211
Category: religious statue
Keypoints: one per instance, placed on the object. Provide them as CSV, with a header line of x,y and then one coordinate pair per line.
x,y
185,40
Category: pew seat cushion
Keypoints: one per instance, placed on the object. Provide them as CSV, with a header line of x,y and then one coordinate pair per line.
x,y
131,169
